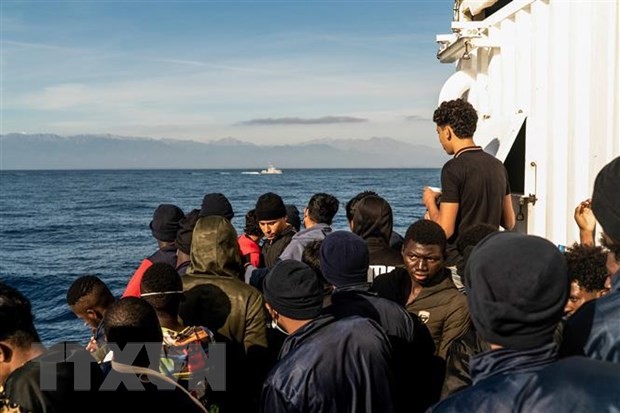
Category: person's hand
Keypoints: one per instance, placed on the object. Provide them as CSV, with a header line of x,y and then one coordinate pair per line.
x,y
429,196
92,345
584,217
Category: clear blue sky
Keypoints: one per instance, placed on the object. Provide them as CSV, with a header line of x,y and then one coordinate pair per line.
x,y
261,71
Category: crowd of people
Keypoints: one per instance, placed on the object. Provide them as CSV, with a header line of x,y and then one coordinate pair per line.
x,y
460,313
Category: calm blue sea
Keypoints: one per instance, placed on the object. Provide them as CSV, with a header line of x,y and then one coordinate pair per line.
x,y
58,225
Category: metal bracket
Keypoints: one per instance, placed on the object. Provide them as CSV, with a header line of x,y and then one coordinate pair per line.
x,y
531,198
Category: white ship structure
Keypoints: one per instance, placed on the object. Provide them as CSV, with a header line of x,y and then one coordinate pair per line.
x,y
543,76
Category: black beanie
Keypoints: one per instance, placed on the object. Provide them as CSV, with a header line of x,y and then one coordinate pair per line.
x,y
183,240
344,259
294,290
165,223
517,286
270,206
606,199
216,204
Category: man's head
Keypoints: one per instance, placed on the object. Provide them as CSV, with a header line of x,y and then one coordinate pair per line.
x,y
350,206
165,223
454,119
373,218
271,215
183,239
89,298
468,239
251,225
132,320
293,294
321,209
516,286
292,216
311,256
606,209
162,288
587,273
17,331
216,204
344,259
424,250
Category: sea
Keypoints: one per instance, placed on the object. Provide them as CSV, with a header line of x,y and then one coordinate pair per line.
x,y
58,225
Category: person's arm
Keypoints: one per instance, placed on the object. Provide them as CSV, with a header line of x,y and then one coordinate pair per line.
x,y
455,325
444,215
508,213
584,217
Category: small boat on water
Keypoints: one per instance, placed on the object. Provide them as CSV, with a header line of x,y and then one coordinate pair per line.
x,y
271,170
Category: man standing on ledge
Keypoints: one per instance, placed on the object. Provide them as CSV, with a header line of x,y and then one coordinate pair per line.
x,y
474,184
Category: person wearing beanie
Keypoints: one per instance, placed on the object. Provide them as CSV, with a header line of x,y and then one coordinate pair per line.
x,y
325,365
164,226
216,204
516,289
271,216
183,240
344,264
594,330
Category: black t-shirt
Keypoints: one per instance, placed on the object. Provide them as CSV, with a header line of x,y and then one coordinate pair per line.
x,y
478,182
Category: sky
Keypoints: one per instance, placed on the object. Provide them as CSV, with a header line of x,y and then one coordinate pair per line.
x,y
266,72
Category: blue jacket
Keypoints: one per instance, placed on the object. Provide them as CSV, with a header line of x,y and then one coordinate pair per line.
x,y
295,248
532,381
331,366
594,330
412,345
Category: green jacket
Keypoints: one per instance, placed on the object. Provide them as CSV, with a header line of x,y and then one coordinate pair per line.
x,y
444,311
215,296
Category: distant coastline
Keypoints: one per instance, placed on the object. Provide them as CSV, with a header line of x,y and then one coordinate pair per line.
x,y
108,152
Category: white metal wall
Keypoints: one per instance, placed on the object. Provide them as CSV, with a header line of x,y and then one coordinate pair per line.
x,y
558,63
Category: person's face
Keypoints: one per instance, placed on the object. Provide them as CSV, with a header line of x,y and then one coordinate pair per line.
x,y
577,297
272,228
90,317
444,134
423,262
612,264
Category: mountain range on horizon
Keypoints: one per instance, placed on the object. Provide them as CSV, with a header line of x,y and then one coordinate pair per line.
x,y
20,151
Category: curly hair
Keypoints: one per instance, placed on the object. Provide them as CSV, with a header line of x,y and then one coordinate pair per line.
x,y
586,266
17,319
92,287
158,278
426,232
251,224
459,114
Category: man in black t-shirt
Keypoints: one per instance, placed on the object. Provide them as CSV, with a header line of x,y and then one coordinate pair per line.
x,y
474,184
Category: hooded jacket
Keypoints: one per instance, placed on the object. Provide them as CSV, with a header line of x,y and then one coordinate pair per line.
x,y
373,221
215,296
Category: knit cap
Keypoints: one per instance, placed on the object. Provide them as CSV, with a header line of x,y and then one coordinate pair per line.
x,y
294,290
344,259
517,286
165,223
606,199
270,206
